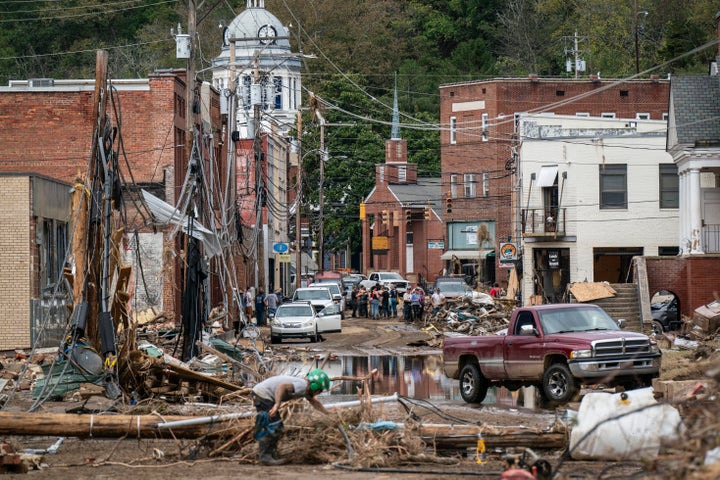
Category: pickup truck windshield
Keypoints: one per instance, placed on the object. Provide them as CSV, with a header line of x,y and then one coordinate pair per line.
x,y
575,320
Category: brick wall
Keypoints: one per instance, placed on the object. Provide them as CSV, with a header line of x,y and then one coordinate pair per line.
x,y
15,262
694,280
500,100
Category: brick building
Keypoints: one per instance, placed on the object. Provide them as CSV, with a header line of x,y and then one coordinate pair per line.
x,y
47,130
479,147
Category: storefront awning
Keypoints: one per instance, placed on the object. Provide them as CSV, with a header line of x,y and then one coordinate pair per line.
x,y
547,176
465,254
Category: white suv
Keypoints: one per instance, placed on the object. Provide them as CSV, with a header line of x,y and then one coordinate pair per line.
x,y
386,279
319,297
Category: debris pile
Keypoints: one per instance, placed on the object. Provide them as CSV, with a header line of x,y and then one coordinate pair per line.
x,y
479,314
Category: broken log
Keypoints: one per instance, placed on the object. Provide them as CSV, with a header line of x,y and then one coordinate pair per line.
x,y
453,437
110,426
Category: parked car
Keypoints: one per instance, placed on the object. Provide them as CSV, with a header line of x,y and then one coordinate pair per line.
x,y
452,287
665,316
319,297
386,279
300,320
336,291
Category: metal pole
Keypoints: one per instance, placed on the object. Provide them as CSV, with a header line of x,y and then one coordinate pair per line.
x,y
321,239
298,213
637,51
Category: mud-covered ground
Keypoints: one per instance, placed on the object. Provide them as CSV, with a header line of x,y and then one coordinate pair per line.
x,y
186,458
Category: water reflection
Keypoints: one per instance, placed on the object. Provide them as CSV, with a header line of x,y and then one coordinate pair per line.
x,y
415,376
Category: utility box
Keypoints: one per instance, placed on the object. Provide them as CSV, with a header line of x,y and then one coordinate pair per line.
x,y
707,317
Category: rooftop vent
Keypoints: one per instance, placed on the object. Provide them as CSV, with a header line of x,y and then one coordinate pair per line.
x,y
41,82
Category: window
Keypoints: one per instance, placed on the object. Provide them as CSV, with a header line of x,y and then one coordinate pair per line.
x,y
278,92
453,186
453,130
484,127
607,115
402,173
669,186
642,116
613,186
470,185
582,114
665,116
486,184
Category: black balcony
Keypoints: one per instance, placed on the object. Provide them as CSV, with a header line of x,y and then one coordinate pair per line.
x,y
543,222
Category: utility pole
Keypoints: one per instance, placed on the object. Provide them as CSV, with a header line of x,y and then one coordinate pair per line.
x,y
577,64
256,100
298,209
323,155
190,81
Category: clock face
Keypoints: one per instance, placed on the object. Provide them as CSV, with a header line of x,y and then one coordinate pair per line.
x,y
226,36
267,34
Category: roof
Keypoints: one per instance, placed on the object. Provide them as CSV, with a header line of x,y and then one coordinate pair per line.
x,y
426,190
695,107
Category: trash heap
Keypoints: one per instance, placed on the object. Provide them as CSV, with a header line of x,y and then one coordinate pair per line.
x,y
476,314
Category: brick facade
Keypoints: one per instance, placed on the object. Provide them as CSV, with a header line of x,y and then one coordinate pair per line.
x,y
481,117
48,130
16,246
695,280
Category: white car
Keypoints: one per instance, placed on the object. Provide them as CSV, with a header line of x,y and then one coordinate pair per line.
x,y
299,320
335,290
319,297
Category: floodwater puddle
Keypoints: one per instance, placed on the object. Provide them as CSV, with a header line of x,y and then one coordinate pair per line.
x,y
415,376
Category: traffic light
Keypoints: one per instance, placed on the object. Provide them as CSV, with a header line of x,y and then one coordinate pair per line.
x,y
408,217
386,218
448,204
427,212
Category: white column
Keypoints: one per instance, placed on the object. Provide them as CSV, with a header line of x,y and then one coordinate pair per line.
x,y
683,229
695,212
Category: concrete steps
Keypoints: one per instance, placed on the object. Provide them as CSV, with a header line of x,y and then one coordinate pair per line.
x,y
625,304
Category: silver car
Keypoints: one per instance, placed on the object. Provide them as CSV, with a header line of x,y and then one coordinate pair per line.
x,y
299,320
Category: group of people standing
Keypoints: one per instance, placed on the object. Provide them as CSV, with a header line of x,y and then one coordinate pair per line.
x,y
261,306
379,301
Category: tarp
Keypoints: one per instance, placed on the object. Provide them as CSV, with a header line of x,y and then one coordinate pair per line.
x,y
165,214
465,254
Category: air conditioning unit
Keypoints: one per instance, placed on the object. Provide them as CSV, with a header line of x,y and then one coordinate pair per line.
x,y
41,82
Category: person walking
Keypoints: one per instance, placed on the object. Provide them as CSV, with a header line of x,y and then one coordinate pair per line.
x,y
438,301
260,308
268,397
249,302
271,304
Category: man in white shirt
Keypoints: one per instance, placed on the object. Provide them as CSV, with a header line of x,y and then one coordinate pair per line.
x,y
438,300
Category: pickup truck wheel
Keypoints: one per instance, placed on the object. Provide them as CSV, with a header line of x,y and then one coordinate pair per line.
x,y
473,386
559,385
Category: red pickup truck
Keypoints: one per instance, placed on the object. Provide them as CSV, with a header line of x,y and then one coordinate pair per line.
x,y
557,347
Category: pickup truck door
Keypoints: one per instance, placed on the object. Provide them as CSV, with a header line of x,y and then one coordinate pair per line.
x,y
523,353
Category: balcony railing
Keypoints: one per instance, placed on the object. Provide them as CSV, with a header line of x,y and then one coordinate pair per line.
x,y
711,238
543,222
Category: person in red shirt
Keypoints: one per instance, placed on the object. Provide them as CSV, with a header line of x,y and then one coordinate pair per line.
x,y
495,291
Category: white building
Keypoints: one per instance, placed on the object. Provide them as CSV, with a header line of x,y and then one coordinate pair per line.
x,y
256,60
260,84
593,193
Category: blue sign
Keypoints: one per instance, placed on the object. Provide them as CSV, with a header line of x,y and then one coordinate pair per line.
x,y
281,247
433,245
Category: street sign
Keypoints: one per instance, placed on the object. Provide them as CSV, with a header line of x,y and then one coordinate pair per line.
x,y
284,258
281,247
432,245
